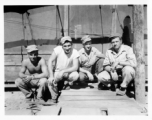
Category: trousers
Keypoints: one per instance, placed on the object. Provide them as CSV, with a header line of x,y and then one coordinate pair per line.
x,y
96,68
71,77
26,88
128,74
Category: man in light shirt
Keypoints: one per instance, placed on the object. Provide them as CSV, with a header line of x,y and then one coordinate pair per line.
x,y
66,66
91,61
119,60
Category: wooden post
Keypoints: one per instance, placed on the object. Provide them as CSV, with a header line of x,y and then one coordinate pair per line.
x,y
114,19
138,26
66,20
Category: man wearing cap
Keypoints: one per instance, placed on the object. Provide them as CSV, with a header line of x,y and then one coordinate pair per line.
x,y
66,65
119,60
91,61
37,76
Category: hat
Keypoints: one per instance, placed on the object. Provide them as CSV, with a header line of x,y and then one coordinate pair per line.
x,y
85,38
65,38
115,35
31,48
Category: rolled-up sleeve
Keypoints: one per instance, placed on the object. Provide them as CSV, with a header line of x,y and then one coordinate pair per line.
x,y
106,60
131,58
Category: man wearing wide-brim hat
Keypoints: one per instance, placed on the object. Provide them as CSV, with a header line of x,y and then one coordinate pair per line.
x,y
37,77
66,65
91,61
119,60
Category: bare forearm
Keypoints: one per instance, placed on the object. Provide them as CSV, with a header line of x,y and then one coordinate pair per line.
x,y
50,69
83,70
39,76
125,63
100,56
71,69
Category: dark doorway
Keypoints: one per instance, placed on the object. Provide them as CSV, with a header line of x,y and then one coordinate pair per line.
x,y
126,37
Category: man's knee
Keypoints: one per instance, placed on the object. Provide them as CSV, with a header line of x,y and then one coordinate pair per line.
x,y
73,76
128,70
43,82
103,76
18,82
82,76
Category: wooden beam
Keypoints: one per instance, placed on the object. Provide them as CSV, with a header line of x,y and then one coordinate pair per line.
x,y
138,43
66,20
114,19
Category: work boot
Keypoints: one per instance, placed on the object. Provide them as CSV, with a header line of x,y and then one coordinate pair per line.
x,y
39,101
54,87
51,102
28,100
121,91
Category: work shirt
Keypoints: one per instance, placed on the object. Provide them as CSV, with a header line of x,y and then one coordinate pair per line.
x,y
125,54
88,60
63,60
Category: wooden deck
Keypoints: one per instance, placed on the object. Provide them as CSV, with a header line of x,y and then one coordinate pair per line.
x,y
87,101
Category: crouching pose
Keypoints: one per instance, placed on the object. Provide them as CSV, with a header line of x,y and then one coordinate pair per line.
x,y
37,77
119,60
66,66
91,61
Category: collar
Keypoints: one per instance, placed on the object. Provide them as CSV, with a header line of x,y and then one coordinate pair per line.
x,y
84,52
120,50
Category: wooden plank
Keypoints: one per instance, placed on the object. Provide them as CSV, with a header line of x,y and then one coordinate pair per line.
x,y
99,104
49,110
80,111
91,93
93,98
18,112
11,72
124,111
10,86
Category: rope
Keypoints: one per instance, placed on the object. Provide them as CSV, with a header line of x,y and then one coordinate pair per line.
x,y
119,20
101,24
62,30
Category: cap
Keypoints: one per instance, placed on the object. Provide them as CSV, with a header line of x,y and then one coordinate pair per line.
x,y
65,38
115,35
31,48
85,38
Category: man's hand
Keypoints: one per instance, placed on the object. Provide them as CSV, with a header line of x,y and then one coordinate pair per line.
x,y
50,80
114,65
114,75
28,78
90,76
119,67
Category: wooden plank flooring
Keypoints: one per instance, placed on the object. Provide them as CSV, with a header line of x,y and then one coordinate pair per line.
x,y
87,101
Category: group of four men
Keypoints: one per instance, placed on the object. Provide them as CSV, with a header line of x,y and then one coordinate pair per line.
x,y
67,64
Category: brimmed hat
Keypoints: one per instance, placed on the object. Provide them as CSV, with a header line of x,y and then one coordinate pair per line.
x,y
65,38
85,39
31,48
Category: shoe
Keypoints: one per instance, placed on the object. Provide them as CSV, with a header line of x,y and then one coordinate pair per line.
x,y
113,88
121,91
39,101
51,102
102,86
28,100
55,87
